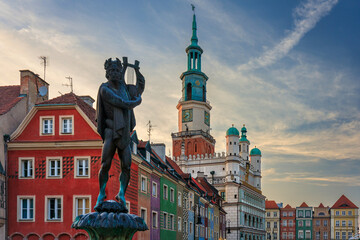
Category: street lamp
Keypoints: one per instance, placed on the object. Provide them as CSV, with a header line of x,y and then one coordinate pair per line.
x,y
229,222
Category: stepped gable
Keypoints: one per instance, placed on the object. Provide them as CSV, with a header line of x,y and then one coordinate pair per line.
x,y
9,96
271,204
344,202
321,205
71,98
304,205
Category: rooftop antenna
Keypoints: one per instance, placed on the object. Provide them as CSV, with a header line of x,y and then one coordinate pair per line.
x,y
150,129
71,83
45,63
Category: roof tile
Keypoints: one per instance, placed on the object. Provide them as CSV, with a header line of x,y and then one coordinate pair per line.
x,y
71,98
344,202
9,96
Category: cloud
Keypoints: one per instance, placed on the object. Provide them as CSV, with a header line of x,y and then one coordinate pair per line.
x,y
306,16
320,181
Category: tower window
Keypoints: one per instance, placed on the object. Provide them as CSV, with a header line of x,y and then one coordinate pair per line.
x,y
188,91
204,94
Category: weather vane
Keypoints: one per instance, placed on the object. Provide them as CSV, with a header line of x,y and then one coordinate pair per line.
x,y
193,7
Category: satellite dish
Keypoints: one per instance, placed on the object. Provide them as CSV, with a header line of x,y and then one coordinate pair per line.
x,y
43,91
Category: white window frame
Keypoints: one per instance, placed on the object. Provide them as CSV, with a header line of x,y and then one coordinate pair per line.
x,y
337,223
152,188
172,196
134,148
172,216
179,196
143,177
147,156
165,193
76,167
48,159
61,126
301,234
32,160
75,203
325,235
47,210
165,220
157,220
41,128
19,208
146,216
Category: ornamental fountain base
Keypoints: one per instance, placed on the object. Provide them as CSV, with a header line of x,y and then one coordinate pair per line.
x,y
110,221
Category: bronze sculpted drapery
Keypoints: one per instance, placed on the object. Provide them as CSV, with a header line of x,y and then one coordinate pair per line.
x,y
115,119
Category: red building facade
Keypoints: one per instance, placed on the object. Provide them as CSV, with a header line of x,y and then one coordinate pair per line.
x,y
288,223
53,162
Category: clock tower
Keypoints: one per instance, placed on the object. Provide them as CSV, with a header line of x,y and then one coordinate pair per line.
x,y
193,136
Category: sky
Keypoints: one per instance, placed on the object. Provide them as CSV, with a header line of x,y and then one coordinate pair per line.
x,y
289,70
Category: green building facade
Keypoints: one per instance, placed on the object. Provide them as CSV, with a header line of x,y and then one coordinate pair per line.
x,y
304,222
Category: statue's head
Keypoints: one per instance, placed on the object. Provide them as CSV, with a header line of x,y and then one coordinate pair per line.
x,y
113,69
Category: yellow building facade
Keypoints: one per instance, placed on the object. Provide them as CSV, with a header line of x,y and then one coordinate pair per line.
x,y
344,219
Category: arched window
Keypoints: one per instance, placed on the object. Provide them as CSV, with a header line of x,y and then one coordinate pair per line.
x,y
195,147
188,91
204,94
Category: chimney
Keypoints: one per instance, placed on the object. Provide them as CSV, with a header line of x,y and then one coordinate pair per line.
x,y
88,99
159,148
33,87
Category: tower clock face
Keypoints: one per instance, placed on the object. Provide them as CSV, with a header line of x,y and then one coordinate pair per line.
x,y
187,115
207,118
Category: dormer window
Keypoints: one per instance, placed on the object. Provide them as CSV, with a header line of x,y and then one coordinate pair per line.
x,y
47,125
147,156
66,124
134,148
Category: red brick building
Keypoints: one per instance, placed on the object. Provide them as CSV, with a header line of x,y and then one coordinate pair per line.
x,y
288,223
54,159
321,222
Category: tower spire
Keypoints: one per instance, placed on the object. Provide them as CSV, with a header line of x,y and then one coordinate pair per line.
x,y
194,39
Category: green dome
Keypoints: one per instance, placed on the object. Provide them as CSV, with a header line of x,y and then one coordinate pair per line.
x,y
255,151
243,129
232,131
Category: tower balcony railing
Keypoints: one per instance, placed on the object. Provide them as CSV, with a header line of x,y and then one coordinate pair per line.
x,y
182,99
190,133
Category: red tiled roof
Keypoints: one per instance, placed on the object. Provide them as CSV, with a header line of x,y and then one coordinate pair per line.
x,y
304,205
271,204
344,202
288,207
142,144
199,185
71,98
174,166
9,96
321,205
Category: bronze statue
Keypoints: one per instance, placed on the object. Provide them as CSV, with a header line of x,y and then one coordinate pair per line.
x,y
115,119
